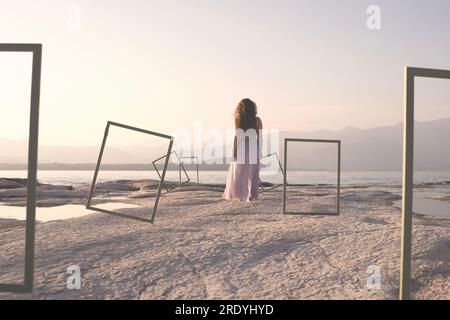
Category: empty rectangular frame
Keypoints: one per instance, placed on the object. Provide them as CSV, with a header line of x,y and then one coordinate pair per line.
x,y
408,171
196,164
36,50
279,166
181,166
97,168
338,194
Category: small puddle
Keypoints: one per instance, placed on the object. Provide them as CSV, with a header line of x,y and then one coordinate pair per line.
x,y
58,213
429,207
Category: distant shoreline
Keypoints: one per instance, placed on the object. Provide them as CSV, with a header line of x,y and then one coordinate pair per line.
x,y
127,167
171,167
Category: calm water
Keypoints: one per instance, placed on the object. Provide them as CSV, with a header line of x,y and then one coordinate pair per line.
x,y
357,178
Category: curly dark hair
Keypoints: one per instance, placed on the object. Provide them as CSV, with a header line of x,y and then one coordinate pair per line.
x,y
245,115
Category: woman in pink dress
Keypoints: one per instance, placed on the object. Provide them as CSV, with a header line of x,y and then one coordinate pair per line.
x,y
243,174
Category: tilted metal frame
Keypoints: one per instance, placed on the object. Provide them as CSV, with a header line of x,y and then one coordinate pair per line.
x,y
97,168
197,165
180,164
281,168
338,194
36,50
408,171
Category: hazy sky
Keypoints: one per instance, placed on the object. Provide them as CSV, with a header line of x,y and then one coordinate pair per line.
x,y
163,65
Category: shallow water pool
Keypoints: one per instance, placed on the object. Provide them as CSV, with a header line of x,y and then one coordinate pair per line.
x,y
429,207
57,213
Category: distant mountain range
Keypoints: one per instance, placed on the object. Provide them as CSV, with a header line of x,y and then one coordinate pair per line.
x,y
362,149
381,148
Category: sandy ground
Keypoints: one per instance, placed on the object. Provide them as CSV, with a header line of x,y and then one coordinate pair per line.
x,y
202,247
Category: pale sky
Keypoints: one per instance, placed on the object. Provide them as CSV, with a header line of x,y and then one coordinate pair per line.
x,y
162,65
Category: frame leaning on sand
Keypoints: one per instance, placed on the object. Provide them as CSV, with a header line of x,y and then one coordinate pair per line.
x,y
196,165
338,193
280,167
180,170
97,168
408,171
36,50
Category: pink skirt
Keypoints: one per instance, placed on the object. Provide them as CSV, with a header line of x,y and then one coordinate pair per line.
x,y
242,182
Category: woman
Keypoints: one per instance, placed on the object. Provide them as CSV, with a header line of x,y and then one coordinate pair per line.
x,y
243,174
